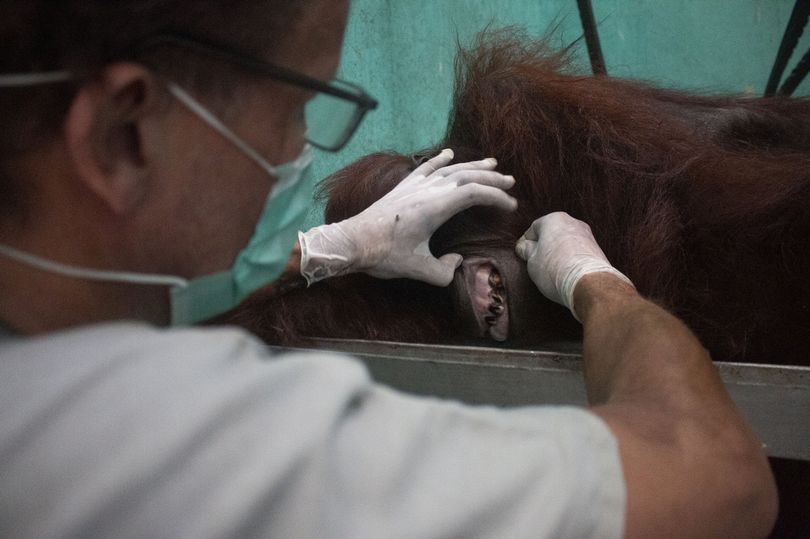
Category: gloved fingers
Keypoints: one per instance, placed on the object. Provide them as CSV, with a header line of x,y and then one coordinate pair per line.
x,y
482,177
451,260
554,219
484,164
533,232
578,233
433,164
474,194
435,271
525,248
563,220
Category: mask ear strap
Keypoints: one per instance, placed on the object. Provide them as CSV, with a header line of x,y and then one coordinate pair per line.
x,y
205,115
19,80
87,273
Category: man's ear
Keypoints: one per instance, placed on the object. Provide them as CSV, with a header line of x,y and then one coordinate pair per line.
x,y
104,129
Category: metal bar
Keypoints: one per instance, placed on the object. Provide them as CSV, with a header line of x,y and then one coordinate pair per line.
x,y
793,31
591,37
796,76
774,399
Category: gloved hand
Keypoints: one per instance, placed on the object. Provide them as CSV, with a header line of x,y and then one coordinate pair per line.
x,y
390,238
559,251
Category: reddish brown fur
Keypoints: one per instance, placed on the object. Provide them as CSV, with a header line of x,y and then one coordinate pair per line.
x,y
704,202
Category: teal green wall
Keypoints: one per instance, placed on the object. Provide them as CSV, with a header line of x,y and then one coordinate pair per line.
x,y
402,52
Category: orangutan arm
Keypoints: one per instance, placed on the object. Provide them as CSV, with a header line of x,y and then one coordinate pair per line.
x,y
692,466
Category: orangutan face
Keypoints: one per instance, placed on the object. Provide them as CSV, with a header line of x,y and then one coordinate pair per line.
x,y
495,301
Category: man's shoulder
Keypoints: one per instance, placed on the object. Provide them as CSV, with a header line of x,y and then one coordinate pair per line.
x,y
135,340
164,423
139,357
125,337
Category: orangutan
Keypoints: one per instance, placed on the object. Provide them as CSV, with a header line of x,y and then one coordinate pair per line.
x,y
703,202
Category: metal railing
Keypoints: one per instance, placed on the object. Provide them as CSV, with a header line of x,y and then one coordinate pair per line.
x,y
775,399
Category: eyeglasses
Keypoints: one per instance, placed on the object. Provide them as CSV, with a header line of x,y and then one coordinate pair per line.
x,y
332,116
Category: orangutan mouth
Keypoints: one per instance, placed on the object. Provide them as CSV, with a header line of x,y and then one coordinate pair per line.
x,y
487,294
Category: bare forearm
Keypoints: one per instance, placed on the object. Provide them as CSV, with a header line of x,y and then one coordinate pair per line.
x,y
679,433
636,350
692,466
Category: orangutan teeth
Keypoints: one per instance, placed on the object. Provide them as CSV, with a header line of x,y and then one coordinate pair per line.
x,y
496,309
497,299
490,319
495,280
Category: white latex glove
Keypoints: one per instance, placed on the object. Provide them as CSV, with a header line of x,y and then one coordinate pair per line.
x,y
559,251
390,238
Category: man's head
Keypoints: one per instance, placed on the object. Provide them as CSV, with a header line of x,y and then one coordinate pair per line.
x,y
109,157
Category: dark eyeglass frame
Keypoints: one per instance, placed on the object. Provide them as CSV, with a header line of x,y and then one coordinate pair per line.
x,y
362,99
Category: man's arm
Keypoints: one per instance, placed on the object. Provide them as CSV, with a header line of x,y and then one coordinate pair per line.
x,y
693,468
389,239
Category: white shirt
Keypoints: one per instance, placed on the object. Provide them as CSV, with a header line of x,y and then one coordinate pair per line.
x,y
123,430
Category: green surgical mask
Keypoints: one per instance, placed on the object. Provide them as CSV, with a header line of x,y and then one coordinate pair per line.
x,y
259,263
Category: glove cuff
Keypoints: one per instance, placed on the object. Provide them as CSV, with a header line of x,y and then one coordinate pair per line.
x,y
320,258
581,270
